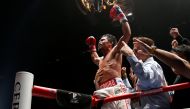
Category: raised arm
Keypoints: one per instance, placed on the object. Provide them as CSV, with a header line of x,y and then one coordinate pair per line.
x,y
180,65
91,42
117,14
140,69
174,32
126,34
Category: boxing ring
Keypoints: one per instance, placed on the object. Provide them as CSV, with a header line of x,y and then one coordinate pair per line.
x,y
24,90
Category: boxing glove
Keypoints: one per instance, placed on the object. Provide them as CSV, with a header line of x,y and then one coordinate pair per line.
x,y
91,42
117,14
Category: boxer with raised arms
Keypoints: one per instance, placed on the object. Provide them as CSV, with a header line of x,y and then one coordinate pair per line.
x,y
108,80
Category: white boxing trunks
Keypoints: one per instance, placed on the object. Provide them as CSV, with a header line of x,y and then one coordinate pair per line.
x,y
110,88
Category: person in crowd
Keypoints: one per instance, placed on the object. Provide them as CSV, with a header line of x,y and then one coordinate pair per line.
x,y
178,60
177,38
149,73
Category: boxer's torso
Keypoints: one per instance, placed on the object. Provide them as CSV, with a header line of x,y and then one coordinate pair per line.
x,y
109,67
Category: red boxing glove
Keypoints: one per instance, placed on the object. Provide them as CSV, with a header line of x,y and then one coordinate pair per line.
x,y
91,42
117,14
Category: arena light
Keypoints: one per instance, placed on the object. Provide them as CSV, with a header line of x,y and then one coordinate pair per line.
x,y
97,6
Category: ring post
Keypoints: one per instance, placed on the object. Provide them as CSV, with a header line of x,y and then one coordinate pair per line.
x,y
22,96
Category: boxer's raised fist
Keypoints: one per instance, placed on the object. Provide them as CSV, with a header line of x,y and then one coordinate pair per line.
x,y
91,42
117,14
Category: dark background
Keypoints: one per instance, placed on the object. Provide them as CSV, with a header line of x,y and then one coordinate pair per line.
x,y
47,38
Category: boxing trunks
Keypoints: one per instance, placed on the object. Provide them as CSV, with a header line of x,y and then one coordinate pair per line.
x,y
111,88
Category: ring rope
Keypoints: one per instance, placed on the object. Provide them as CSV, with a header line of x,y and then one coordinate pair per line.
x,y
51,93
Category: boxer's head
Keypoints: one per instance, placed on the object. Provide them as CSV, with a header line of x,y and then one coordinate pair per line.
x,y
107,41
